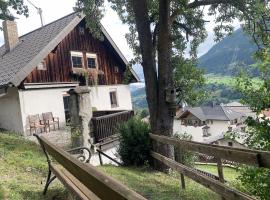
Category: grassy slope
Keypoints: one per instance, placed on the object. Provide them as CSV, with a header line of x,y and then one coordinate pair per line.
x,y
159,186
23,169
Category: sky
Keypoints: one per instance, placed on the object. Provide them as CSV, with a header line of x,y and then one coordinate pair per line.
x,y
55,9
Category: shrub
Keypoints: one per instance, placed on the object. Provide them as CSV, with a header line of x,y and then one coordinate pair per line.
x,y
134,147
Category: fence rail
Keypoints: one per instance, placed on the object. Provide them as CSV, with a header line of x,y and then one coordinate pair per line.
x,y
105,126
245,156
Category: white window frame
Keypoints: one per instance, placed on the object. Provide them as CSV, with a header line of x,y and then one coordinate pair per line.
x,y
116,98
92,55
76,54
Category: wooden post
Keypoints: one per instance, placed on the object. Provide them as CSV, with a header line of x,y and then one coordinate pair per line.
x,y
182,177
220,170
99,155
220,173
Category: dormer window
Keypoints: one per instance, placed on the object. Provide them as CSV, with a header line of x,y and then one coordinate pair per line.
x,y
42,66
91,61
77,59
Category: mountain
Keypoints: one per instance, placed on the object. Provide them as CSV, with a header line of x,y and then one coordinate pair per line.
x,y
229,55
139,98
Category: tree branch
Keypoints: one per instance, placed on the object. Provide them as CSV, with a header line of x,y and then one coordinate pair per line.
x,y
198,3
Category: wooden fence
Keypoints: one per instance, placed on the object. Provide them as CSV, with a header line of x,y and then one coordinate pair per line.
x,y
105,126
244,156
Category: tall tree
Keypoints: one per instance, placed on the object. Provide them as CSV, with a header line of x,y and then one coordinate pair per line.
x,y
161,29
7,7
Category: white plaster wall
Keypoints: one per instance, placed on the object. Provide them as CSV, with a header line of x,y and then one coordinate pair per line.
x,y
40,101
216,129
100,97
10,113
224,142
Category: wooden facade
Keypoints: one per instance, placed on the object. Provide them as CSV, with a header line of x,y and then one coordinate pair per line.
x,y
58,65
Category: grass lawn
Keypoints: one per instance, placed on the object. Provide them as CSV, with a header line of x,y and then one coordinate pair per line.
x,y
23,171
227,80
159,186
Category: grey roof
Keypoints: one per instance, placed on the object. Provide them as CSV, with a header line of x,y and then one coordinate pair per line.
x,y
35,46
213,113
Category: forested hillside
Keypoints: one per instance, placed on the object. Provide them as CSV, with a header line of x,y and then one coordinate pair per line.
x,y
229,55
223,61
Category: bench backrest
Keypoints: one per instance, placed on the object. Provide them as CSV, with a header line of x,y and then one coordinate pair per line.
x,y
99,183
34,119
47,116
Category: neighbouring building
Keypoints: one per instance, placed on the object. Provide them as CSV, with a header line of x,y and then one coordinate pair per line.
x,y
38,68
210,124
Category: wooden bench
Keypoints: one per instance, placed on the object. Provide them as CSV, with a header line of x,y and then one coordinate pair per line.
x,y
82,179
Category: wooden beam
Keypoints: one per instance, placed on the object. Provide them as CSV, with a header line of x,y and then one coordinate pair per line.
x,y
210,183
99,183
244,156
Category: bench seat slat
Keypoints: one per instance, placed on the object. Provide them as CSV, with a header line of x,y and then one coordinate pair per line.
x,y
72,183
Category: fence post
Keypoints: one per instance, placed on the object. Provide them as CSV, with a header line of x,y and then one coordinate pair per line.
x,y
220,173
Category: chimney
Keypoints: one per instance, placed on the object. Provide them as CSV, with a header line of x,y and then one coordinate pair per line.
x,y
10,34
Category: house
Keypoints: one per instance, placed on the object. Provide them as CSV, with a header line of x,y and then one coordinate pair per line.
x,y
38,68
209,124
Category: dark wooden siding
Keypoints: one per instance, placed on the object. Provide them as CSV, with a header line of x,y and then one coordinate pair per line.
x,y
59,66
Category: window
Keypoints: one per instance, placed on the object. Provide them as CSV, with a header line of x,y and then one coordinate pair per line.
x,y
205,132
230,144
91,61
66,107
113,98
42,66
81,30
77,59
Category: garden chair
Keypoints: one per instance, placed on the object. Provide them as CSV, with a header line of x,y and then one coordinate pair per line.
x,y
36,123
50,120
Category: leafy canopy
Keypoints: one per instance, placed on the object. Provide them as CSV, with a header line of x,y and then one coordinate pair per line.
x,y
7,6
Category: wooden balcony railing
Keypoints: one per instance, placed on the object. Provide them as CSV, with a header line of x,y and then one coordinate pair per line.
x,y
105,126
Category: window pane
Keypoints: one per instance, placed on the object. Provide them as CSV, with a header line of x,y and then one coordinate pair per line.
x,y
91,62
77,61
113,99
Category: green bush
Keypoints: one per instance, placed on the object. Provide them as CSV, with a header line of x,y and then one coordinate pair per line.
x,y
134,147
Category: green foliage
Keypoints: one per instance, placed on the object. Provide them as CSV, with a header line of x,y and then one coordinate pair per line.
x,y
127,76
76,137
134,147
6,6
93,9
188,81
144,113
257,181
181,155
258,135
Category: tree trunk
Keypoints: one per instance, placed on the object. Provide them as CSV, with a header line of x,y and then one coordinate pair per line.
x,y
161,119
165,79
